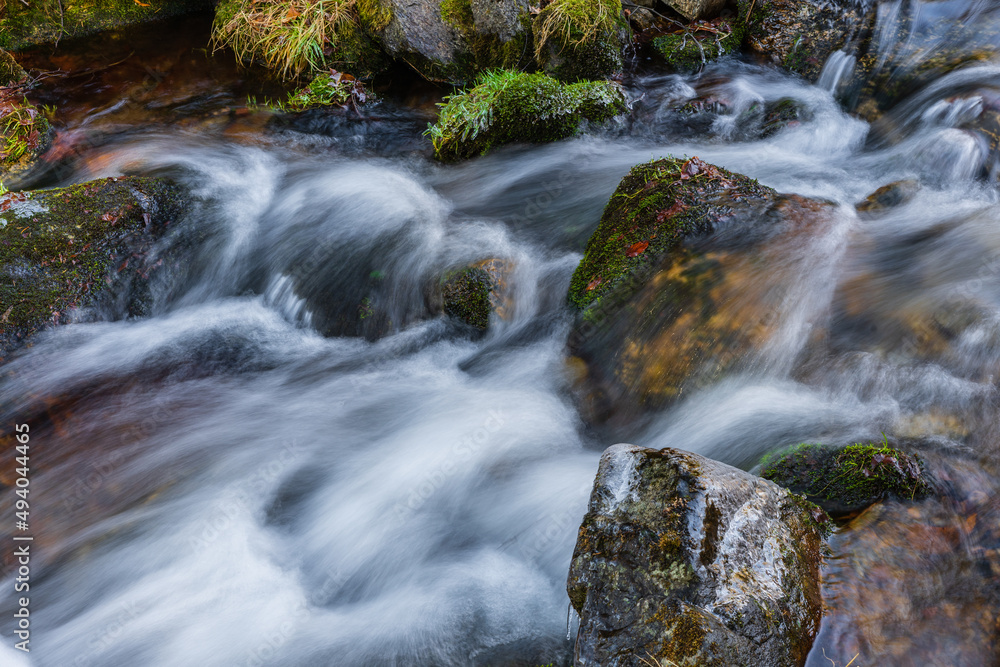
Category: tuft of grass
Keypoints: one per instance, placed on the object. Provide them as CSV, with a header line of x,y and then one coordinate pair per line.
x,y
575,22
21,125
289,36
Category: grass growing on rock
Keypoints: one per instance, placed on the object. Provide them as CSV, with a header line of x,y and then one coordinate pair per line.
x,y
848,478
509,106
328,89
23,128
296,36
575,22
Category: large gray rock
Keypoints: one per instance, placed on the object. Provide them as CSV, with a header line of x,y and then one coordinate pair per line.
x,y
686,561
693,10
456,39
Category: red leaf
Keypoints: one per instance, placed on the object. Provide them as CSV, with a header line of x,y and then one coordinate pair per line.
x,y
637,249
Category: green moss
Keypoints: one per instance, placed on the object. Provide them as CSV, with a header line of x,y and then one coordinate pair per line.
x,y
375,15
693,47
60,248
23,25
655,206
466,295
10,71
24,132
457,13
510,106
848,478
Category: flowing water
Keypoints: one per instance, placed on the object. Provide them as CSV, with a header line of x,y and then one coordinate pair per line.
x,y
221,484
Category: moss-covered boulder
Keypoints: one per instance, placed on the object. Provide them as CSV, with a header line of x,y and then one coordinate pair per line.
x,y
475,292
26,24
11,71
507,107
686,561
576,40
847,479
70,248
680,281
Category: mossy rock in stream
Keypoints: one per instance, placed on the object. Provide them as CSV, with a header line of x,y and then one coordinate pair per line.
x,y
680,282
23,25
508,107
69,248
699,43
11,71
475,292
681,560
847,479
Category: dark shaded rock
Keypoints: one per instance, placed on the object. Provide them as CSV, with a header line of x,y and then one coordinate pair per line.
x,y
800,35
508,107
454,40
65,249
677,283
847,479
693,10
474,293
23,25
686,561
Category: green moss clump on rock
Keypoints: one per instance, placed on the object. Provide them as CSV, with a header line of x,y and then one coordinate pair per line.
x,y
842,480
655,206
61,249
688,50
27,24
580,39
508,106
466,295
25,133
329,89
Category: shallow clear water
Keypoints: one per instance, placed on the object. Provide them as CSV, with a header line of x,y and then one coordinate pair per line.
x,y
222,485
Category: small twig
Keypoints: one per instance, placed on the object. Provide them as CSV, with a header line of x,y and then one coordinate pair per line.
x,y
749,11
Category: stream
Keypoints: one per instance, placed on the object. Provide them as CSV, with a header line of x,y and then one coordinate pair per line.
x,y
222,484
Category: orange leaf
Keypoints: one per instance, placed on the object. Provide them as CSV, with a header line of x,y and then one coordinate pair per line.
x,y
593,283
141,4
637,249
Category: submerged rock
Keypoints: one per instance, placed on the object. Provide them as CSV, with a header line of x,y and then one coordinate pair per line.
x,y
24,24
686,561
848,479
68,248
888,196
474,293
679,281
508,107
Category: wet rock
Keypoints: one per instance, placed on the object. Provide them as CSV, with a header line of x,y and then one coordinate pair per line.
x,y
686,561
511,107
474,293
31,24
800,35
70,248
888,196
847,479
916,583
576,40
678,282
